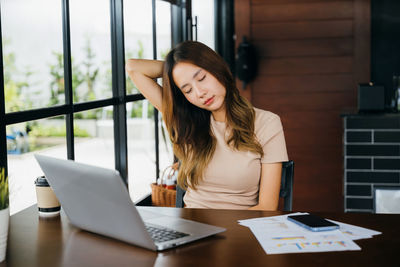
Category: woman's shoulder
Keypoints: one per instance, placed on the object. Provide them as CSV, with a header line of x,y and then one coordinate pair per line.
x,y
264,116
266,122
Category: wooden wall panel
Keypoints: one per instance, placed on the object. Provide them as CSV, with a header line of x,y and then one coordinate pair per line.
x,y
280,2
319,101
287,84
302,11
306,65
298,120
312,54
362,44
242,15
310,137
301,30
303,48
318,176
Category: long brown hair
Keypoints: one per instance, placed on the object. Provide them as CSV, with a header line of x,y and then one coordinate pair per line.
x,y
189,126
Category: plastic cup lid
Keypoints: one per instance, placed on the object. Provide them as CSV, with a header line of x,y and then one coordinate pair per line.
x,y
41,181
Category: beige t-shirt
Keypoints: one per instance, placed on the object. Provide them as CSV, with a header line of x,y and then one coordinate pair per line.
x,y
232,178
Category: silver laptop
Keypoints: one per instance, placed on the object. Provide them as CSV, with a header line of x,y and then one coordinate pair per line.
x,y
95,199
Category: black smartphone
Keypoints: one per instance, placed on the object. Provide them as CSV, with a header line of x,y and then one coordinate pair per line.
x,y
313,222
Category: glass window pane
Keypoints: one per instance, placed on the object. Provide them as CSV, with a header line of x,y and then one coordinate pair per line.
x,y
138,34
32,54
165,146
163,25
163,22
141,148
46,137
91,49
204,10
94,137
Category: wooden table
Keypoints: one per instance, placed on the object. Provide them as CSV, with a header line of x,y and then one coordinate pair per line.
x,y
55,242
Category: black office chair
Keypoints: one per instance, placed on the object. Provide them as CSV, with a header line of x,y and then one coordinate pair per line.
x,y
286,191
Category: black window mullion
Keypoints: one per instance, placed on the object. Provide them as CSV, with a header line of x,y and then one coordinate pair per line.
x,y
172,2
177,27
155,110
224,31
3,136
36,114
79,107
135,97
119,87
181,13
42,113
69,120
187,14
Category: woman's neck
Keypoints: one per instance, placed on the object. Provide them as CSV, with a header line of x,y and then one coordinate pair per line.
x,y
219,115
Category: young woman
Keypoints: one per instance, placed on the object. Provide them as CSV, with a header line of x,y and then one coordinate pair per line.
x,y
230,152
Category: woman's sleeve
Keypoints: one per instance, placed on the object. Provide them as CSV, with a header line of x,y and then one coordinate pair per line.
x,y
271,137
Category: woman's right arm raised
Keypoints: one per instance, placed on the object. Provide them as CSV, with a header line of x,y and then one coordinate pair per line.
x,y
142,73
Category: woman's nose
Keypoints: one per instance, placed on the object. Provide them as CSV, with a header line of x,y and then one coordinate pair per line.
x,y
201,92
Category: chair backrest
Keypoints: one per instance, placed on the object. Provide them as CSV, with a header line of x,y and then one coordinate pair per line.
x,y
286,191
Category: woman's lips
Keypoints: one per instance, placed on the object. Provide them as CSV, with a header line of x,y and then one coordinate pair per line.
x,y
209,101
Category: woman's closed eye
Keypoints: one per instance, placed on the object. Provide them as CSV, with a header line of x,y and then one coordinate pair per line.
x,y
190,89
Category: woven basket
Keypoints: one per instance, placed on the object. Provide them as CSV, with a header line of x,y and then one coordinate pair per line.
x,y
162,197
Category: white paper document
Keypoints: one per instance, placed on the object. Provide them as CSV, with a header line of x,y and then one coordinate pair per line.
x,y
278,235
355,232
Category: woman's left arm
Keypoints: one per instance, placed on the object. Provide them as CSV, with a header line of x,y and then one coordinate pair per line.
x,y
270,183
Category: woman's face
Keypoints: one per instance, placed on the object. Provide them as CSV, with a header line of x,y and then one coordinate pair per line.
x,y
200,87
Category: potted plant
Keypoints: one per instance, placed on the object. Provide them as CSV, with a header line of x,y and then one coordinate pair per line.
x,y
4,213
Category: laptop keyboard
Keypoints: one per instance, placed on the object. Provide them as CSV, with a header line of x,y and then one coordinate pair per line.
x,y
159,234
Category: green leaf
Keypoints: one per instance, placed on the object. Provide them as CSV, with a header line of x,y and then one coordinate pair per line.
x,y
4,196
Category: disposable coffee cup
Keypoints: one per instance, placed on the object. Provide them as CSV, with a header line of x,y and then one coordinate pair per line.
x,y
47,201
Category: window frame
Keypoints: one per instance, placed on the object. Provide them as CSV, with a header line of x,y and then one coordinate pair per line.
x,y
119,97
